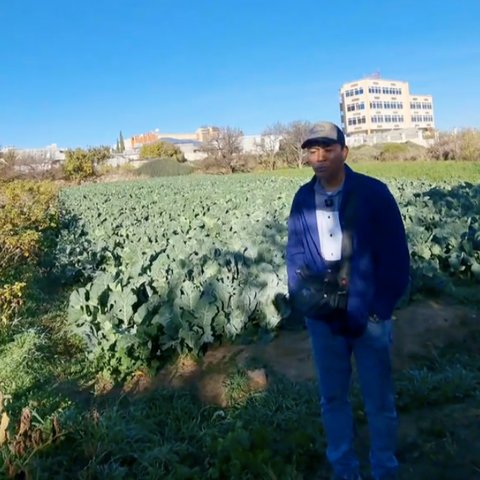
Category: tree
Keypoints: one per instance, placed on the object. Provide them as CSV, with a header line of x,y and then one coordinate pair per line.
x,y
225,145
445,147
162,150
457,145
8,159
121,143
80,164
293,135
269,146
469,144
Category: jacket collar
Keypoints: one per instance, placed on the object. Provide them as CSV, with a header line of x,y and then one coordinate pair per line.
x,y
310,211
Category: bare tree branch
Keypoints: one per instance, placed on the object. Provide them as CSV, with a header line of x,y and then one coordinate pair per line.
x,y
294,134
269,145
225,145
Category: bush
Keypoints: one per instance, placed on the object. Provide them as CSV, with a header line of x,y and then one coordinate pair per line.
x,y
163,167
80,164
463,145
212,165
162,150
28,209
245,163
7,164
402,152
387,152
362,153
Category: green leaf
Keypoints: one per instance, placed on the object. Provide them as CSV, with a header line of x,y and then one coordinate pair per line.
x,y
476,270
121,305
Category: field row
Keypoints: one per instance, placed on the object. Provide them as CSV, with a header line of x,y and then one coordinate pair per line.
x,y
174,265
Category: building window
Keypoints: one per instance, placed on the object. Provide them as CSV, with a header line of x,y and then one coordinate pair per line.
x,y
355,106
391,105
353,92
391,91
356,121
422,118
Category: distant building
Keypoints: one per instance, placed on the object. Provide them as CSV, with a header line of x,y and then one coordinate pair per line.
x,y
376,107
37,159
259,144
202,134
137,141
191,143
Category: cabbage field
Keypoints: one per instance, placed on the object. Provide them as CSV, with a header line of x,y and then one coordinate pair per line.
x,y
173,265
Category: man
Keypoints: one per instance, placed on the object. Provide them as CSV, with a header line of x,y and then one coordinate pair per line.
x,y
349,224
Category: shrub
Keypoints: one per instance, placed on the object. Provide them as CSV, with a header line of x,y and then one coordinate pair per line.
x,y
212,165
470,145
245,163
27,210
394,152
162,150
164,167
463,145
80,164
7,164
387,152
362,153
241,163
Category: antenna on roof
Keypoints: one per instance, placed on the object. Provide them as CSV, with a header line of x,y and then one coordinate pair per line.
x,y
375,75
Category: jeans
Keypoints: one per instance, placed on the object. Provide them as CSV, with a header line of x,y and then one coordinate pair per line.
x,y
332,356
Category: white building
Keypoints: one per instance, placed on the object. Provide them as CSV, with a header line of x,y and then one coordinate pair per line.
x,y
37,158
375,108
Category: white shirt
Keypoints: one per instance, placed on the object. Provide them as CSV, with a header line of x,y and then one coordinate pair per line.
x,y
328,222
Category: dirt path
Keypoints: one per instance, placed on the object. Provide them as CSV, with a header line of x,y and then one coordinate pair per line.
x,y
441,443
419,330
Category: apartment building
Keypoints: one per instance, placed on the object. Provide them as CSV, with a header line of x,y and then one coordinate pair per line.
x,y
202,134
375,105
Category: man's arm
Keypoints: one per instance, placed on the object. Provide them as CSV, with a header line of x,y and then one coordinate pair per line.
x,y
391,256
295,246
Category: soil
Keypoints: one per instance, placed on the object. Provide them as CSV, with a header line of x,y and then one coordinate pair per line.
x,y
420,331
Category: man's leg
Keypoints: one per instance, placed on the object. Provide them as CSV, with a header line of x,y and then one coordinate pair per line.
x,y
332,356
372,356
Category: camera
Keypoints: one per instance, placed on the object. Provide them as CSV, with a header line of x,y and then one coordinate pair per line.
x,y
320,295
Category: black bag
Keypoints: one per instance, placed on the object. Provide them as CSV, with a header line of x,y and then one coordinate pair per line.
x,y
319,296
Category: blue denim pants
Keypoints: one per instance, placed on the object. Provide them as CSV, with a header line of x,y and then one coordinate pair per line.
x,y
332,356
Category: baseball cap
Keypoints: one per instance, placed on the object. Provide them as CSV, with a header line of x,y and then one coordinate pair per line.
x,y
324,133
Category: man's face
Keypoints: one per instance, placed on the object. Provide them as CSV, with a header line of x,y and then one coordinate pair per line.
x,y
327,161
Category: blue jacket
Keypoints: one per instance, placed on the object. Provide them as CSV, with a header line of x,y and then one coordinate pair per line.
x,y
380,261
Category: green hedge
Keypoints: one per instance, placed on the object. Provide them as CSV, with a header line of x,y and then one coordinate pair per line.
x,y
164,167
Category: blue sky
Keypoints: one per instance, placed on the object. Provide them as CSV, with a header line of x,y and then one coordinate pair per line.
x,y
76,72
